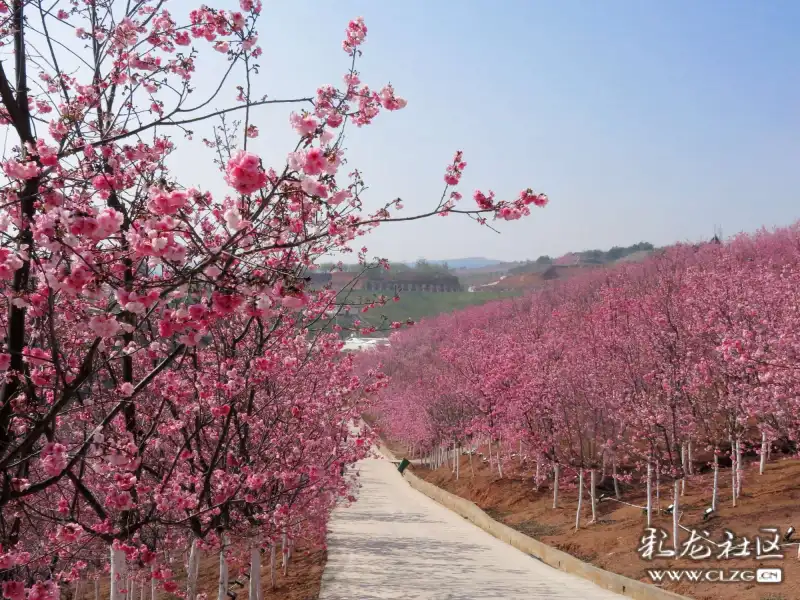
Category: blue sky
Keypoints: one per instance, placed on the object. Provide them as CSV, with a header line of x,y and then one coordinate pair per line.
x,y
642,120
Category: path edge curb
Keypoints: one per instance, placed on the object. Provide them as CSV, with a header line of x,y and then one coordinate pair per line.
x,y
557,559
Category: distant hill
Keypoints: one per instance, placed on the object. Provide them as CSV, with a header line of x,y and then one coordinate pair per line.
x,y
464,263
586,257
533,274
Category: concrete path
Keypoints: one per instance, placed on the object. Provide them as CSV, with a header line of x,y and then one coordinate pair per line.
x,y
397,543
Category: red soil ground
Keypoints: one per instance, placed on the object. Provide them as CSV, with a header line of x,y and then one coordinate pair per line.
x,y
612,543
302,582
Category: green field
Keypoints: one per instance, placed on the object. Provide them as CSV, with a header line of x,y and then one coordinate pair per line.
x,y
419,305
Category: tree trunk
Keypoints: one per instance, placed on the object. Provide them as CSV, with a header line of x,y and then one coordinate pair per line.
x,y
538,471
616,482
141,590
715,484
675,510
97,588
118,574
556,474
593,482
153,583
192,571
499,460
739,468
763,457
580,500
285,553
733,473
77,589
273,579
683,464
222,588
649,494
255,573
658,486
690,463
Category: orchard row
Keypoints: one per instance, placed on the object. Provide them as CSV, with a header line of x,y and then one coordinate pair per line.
x,y
644,371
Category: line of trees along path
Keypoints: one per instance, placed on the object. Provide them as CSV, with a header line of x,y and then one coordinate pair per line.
x,y
644,372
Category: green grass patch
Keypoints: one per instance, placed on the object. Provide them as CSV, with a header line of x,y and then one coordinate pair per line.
x,y
421,305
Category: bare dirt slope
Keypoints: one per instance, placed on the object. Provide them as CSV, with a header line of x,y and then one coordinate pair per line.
x,y
768,500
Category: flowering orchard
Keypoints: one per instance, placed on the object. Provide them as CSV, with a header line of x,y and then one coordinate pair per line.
x,y
168,387
644,371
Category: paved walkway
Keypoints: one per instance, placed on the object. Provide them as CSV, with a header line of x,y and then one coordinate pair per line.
x,y
397,543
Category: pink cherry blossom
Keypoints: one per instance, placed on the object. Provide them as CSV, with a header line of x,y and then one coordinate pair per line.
x,y
354,35
21,170
13,590
315,162
244,173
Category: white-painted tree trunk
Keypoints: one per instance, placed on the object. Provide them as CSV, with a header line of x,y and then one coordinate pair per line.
x,y
222,587
153,583
739,468
499,460
141,590
192,571
683,464
458,462
593,495
658,486
97,588
614,475
77,589
763,462
118,574
649,493
285,553
471,468
273,576
690,463
132,589
580,500
556,476
675,516
255,573
715,485
538,471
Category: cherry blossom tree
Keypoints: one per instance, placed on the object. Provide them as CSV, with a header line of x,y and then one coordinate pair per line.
x,y
645,365
170,382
